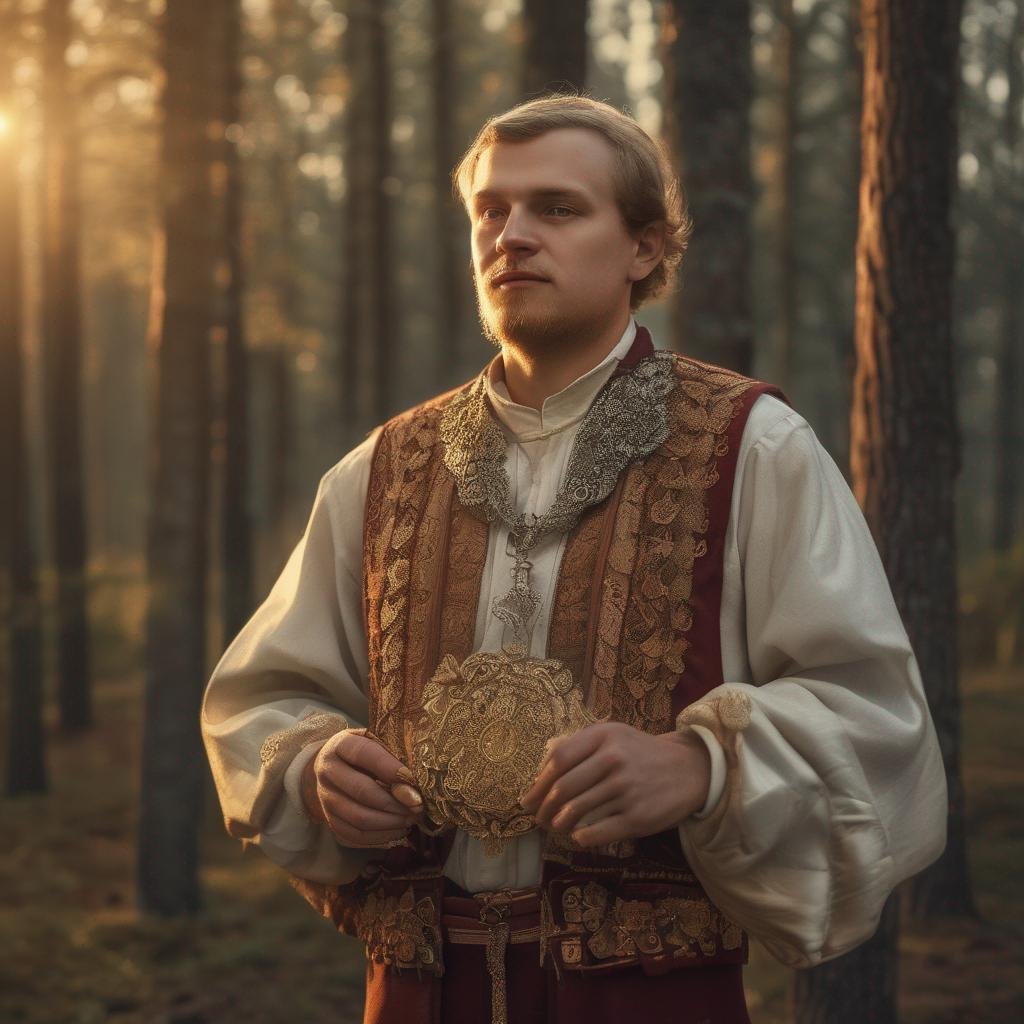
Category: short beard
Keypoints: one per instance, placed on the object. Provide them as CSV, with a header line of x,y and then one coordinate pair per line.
x,y
520,328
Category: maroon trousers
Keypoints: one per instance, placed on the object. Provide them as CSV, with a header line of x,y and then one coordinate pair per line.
x,y
710,995
534,995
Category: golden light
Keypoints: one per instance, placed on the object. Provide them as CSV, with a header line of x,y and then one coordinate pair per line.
x,y
5,125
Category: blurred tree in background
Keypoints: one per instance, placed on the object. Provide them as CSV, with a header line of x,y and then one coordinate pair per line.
x,y
19,588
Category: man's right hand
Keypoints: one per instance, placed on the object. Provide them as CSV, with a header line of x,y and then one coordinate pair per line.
x,y
340,788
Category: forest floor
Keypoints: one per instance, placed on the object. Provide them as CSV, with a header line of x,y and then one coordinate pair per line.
x,y
76,951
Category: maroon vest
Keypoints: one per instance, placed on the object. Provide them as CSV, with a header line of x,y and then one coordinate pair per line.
x,y
635,617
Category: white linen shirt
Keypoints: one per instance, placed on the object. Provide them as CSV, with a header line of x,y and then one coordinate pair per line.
x,y
841,791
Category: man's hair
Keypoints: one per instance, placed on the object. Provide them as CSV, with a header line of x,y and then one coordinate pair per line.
x,y
644,182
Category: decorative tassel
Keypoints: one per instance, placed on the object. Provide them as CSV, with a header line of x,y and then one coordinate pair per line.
x,y
497,941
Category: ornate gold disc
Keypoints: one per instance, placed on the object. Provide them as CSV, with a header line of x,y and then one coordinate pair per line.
x,y
480,739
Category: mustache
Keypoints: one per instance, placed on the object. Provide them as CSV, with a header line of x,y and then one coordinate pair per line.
x,y
497,272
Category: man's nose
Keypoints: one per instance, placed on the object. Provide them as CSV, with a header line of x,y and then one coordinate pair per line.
x,y
517,235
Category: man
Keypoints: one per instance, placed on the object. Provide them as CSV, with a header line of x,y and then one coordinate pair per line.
x,y
633,678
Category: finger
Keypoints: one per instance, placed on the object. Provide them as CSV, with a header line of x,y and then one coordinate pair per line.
x,y
408,796
601,798
599,813
362,818
348,836
564,753
607,830
370,756
572,784
337,776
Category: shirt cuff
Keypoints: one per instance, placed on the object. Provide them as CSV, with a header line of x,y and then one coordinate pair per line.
x,y
293,775
718,769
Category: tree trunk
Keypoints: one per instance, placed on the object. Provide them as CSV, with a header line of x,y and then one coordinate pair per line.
x,y
903,433
62,339
368,319
353,283
554,46
788,54
450,220
708,62
1009,433
280,446
903,430
173,765
904,437
236,526
19,591
383,278
858,988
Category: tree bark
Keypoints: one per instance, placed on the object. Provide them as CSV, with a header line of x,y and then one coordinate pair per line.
x,y
708,64
450,222
236,525
383,279
1009,432
353,285
368,319
858,988
903,428
173,765
19,588
62,340
554,46
904,436
789,47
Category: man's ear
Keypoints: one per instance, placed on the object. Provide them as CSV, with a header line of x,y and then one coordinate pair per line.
x,y
650,247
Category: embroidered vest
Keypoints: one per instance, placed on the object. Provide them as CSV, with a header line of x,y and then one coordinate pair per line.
x,y
636,619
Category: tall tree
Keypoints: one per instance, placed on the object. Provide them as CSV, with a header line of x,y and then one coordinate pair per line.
x,y
708,62
368,321
19,589
1009,426
449,217
790,41
353,286
62,339
181,316
236,529
904,441
904,437
554,45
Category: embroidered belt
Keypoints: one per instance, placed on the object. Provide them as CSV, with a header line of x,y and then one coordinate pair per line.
x,y
493,919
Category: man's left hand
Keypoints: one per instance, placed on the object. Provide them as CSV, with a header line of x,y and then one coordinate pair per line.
x,y
611,781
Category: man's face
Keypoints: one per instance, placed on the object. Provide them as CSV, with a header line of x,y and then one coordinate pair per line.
x,y
545,208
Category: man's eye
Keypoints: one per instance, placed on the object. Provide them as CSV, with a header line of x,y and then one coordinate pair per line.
x,y
485,214
561,211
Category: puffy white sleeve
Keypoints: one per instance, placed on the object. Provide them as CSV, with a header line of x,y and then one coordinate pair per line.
x,y
293,677
834,787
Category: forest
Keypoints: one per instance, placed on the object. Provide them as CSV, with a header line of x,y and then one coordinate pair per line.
x,y
229,248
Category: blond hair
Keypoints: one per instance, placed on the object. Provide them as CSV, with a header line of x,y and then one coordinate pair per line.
x,y
644,183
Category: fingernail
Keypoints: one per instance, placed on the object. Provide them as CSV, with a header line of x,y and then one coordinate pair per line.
x,y
405,794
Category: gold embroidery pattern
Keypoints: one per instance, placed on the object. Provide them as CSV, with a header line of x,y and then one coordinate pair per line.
x,y
620,928
281,747
481,736
726,716
467,553
401,931
615,594
673,522
567,635
426,575
401,468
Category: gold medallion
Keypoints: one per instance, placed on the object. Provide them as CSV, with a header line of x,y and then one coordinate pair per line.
x,y
481,736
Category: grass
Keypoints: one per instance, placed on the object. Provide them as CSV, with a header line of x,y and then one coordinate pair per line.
x,y
75,950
